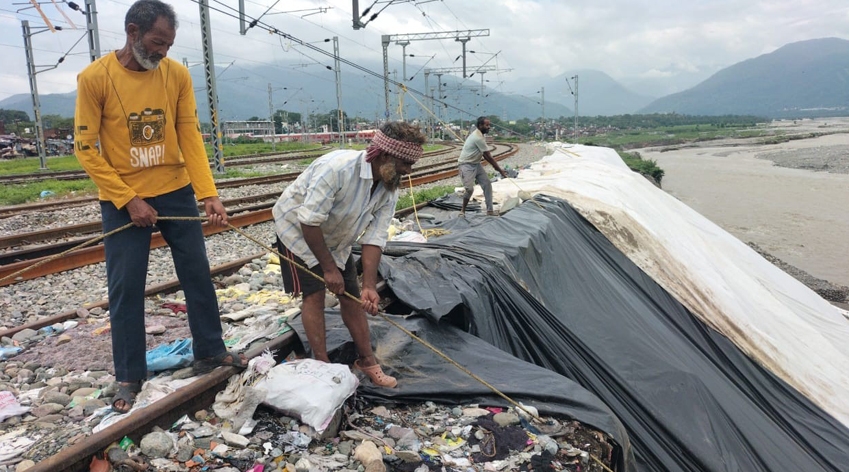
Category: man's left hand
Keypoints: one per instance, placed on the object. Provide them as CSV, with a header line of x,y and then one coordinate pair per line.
x,y
215,211
370,300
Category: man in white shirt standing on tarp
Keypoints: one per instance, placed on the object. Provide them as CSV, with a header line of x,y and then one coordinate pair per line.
x,y
471,169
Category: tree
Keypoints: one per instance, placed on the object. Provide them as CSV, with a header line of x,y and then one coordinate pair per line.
x,y
10,116
334,119
282,120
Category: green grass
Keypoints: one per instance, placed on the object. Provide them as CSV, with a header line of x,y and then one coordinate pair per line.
x,y
27,193
30,165
406,200
634,138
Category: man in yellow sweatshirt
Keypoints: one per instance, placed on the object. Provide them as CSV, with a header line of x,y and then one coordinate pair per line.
x,y
150,162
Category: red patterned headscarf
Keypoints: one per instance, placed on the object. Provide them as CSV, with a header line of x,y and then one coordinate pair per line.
x,y
406,151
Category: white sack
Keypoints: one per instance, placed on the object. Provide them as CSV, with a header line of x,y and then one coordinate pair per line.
x,y
309,389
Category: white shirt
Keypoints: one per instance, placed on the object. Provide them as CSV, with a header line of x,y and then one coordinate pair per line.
x,y
334,193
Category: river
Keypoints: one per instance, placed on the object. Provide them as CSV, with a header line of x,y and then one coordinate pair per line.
x,y
800,216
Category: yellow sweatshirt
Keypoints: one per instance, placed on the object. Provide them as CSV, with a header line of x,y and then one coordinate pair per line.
x,y
143,121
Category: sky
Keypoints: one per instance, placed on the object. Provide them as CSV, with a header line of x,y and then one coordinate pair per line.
x,y
653,47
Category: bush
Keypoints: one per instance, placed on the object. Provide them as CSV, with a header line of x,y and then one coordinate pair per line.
x,y
644,166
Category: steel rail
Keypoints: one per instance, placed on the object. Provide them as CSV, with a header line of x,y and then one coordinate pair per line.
x,y
92,227
171,285
92,255
95,254
163,413
13,210
32,237
236,161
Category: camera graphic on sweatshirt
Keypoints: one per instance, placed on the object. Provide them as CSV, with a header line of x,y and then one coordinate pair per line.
x,y
147,128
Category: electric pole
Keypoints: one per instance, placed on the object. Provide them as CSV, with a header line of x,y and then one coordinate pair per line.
x,y
92,30
211,92
33,87
542,92
575,94
462,36
341,116
271,118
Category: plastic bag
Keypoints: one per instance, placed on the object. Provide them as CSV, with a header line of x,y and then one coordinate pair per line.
x,y
309,389
170,356
9,406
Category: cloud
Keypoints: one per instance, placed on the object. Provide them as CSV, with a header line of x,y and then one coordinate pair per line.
x,y
626,39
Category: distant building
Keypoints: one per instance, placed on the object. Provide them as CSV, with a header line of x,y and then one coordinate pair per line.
x,y
234,129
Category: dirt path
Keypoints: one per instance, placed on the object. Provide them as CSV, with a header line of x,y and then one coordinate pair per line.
x,y
799,216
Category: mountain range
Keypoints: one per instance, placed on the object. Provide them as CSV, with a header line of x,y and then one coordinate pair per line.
x,y
807,78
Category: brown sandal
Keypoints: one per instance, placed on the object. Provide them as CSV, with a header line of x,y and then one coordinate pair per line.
x,y
375,373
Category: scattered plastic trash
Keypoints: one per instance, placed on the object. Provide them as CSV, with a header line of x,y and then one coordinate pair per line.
x,y
9,406
91,396
410,237
126,443
170,356
46,193
7,352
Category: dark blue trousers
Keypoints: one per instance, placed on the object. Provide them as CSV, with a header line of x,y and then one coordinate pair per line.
x,y
127,255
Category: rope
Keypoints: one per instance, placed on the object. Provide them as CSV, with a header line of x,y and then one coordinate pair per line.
x,y
430,232
64,253
409,333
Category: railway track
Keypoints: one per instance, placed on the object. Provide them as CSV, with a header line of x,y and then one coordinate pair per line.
x,y
14,261
236,161
13,210
200,393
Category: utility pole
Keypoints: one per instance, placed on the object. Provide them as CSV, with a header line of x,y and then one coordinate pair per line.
x,y
483,108
211,92
575,94
92,30
464,41
271,118
341,118
402,90
542,91
439,89
461,35
33,87
428,100
385,40
576,108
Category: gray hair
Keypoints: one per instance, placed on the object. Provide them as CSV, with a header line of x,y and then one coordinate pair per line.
x,y
144,14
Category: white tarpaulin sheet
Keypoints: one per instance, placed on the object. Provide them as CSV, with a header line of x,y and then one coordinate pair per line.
x,y
776,320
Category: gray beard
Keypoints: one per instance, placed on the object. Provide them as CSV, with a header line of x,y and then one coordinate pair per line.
x,y
143,60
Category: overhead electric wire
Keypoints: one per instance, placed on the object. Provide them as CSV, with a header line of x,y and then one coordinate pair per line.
x,y
275,30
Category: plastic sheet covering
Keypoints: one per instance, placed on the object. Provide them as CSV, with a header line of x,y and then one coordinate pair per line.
x,y
544,285
424,376
772,317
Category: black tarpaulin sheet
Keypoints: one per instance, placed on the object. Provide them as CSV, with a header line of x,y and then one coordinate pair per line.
x,y
424,376
545,286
